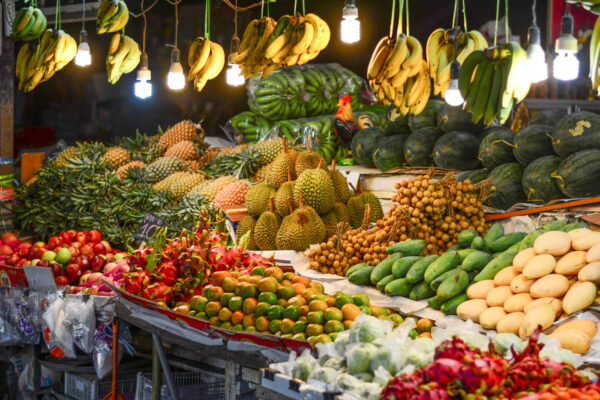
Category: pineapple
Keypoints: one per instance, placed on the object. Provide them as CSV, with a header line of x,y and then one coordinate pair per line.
x,y
184,130
242,164
184,150
186,183
232,195
166,183
133,164
199,189
65,155
261,174
116,157
216,186
269,149
194,165
234,149
164,167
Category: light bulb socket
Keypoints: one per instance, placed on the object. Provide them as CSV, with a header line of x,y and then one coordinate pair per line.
x,y
175,55
235,44
144,61
83,36
350,10
566,44
454,69
534,36
143,72
230,58
567,24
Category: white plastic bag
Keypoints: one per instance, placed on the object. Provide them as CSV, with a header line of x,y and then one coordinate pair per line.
x,y
80,319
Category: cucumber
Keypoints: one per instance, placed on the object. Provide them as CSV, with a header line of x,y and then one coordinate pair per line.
x,y
355,267
466,237
515,248
574,225
464,253
435,303
478,244
475,261
401,266
450,306
554,225
528,240
382,282
408,247
453,285
361,276
384,268
495,266
438,281
398,287
417,271
495,232
454,247
421,291
447,261
503,243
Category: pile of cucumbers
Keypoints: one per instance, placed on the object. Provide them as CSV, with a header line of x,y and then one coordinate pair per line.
x,y
303,91
444,280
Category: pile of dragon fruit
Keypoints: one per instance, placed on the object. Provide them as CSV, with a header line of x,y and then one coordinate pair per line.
x,y
463,372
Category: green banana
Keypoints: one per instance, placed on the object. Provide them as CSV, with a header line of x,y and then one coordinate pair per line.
x,y
483,93
474,88
490,107
465,74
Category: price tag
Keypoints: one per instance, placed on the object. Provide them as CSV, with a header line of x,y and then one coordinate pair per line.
x,y
353,177
148,226
39,278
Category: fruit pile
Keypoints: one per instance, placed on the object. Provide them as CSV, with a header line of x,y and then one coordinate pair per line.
x,y
556,277
29,24
251,125
112,16
293,40
270,301
122,58
300,203
206,60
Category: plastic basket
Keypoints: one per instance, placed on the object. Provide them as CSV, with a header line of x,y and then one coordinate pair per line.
x,y
88,387
189,385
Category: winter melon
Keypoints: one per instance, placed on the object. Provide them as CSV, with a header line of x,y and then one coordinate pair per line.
x,y
456,150
418,147
496,147
538,183
506,187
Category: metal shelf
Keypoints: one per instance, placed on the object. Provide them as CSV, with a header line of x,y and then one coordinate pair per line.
x,y
538,104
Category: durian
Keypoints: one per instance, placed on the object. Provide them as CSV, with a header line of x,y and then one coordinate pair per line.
x,y
316,188
265,230
257,198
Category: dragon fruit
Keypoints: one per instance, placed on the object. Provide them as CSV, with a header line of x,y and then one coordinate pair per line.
x,y
135,282
158,292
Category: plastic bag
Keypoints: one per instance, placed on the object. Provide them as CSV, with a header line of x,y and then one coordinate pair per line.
x,y
8,334
23,306
250,125
57,335
80,318
102,353
304,90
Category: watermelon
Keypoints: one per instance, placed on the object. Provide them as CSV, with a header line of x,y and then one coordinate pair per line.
x,y
456,150
538,183
456,119
418,147
547,117
496,147
579,174
474,175
364,144
506,186
397,127
390,153
532,143
428,118
576,132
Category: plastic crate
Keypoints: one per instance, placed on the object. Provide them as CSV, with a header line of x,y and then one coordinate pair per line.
x,y
189,385
88,387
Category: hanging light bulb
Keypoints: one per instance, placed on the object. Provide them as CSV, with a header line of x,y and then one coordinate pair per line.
x,y
234,75
83,58
142,88
453,96
566,64
535,65
350,24
175,78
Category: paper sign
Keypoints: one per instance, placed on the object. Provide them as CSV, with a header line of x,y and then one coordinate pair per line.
x,y
39,278
148,226
353,177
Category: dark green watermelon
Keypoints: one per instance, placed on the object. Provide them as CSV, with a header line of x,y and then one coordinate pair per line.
x,y
390,153
547,117
428,118
576,132
532,143
396,127
418,148
474,175
456,119
507,188
456,150
496,147
579,174
364,144
538,183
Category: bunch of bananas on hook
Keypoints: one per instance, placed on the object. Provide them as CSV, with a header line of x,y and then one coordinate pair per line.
x,y
206,60
123,57
112,16
29,24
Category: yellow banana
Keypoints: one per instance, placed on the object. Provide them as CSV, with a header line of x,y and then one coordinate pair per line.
x,y
395,59
322,33
446,57
400,78
285,50
278,44
199,84
416,52
378,59
248,35
122,52
469,47
200,61
432,49
308,33
114,43
215,63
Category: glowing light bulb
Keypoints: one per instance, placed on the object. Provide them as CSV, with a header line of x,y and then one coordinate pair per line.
x,y
234,75
566,64
175,78
535,65
453,96
142,87
350,26
83,58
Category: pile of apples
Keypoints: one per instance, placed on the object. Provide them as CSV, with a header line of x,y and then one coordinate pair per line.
x,y
76,258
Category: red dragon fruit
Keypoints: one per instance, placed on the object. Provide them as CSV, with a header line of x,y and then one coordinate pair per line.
x,y
158,292
167,272
135,282
443,371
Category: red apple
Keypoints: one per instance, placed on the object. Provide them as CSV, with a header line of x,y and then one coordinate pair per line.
x,y
62,280
43,263
12,259
86,250
23,252
24,245
56,269
65,238
39,244
8,237
83,261
73,272
54,242
81,237
95,235
97,263
75,290
5,250
74,250
77,245
22,262
99,248
72,233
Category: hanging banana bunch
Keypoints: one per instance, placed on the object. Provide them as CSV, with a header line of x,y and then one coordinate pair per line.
x,y
441,50
293,40
206,60
595,56
122,58
112,16
38,63
29,24
397,72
